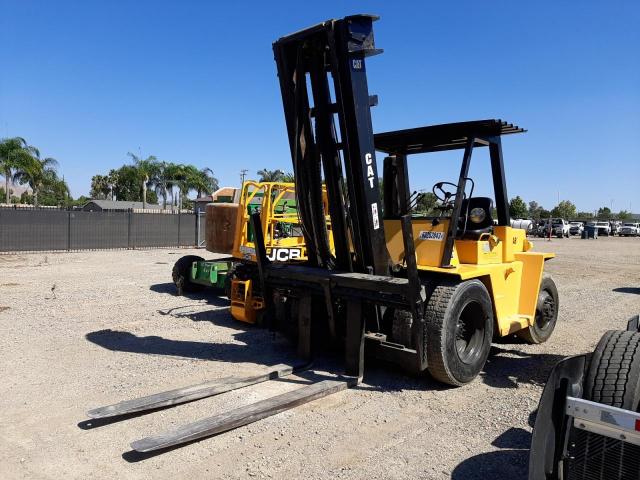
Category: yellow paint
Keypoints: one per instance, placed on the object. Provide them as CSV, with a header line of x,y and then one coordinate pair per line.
x,y
244,305
503,261
272,193
429,247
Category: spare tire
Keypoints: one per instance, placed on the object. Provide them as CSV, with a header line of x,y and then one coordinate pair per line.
x,y
181,274
614,373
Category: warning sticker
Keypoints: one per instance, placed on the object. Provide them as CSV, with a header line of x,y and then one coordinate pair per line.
x,y
425,235
374,214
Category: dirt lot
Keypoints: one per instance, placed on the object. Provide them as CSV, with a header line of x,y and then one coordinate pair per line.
x,y
113,329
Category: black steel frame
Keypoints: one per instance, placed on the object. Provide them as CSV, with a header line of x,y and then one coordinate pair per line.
x,y
435,138
332,54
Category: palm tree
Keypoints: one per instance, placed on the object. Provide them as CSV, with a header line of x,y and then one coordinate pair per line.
x,y
100,186
202,181
288,177
15,154
270,175
36,172
147,167
159,181
174,177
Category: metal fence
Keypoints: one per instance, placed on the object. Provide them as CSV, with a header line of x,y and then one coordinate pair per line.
x,y
44,229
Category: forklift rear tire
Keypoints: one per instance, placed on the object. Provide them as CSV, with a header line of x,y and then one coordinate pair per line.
x,y
546,313
614,373
459,323
181,274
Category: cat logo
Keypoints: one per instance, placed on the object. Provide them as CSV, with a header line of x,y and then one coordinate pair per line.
x,y
284,254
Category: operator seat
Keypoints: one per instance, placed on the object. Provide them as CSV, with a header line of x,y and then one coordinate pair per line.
x,y
476,224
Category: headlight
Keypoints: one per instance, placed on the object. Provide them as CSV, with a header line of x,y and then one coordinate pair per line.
x,y
477,215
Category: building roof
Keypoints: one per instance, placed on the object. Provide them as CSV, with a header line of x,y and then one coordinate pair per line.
x,y
121,205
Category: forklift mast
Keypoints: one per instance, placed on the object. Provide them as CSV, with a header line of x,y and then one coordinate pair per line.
x,y
323,82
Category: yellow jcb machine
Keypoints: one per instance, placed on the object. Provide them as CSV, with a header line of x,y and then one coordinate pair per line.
x,y
228,231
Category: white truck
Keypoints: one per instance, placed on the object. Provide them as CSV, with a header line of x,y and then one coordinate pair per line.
x,y
576,228
629,230
559,228
603,227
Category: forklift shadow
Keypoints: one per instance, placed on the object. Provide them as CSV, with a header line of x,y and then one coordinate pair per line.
x,y
497,465
511,462
218,316
508,368
255,346
213,296
632,290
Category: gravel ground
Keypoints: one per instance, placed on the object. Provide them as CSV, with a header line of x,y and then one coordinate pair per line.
x,y
113,329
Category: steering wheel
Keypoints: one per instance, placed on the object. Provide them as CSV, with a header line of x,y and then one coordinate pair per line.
x,y
445,197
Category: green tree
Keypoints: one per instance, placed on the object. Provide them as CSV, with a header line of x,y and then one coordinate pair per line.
x,y
36,172
289,177
78,202
426,203
152,197
100,187
127,184
535,209
147,169
585,215
565,209
604,213
3,192
54,191
26,198
518,208
270,175
624,215
204,182
161,181
175,176
15,155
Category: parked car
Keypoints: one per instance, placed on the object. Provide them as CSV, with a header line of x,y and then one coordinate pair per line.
x,y
630,230
603,228
559,228
576,228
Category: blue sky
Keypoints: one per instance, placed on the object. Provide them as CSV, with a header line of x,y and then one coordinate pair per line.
x,y
195,82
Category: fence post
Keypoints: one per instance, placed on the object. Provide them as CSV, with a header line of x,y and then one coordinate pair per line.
x,y
129,230
68,230
197,222
179,217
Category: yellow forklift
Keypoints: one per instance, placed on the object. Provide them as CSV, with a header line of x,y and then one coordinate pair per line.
x,y
428,293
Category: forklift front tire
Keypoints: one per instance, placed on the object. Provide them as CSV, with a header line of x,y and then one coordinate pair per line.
x,y
546,313
459,323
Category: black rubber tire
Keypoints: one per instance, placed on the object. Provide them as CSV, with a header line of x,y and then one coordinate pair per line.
x,y
444,309
181,274
543,326
614,373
